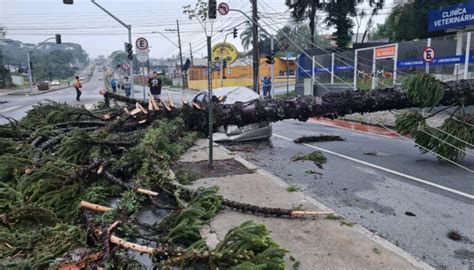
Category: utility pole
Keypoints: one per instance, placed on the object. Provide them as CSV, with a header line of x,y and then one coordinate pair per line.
x,y
256,61
272,92
181,56
209,85
191,53
129,28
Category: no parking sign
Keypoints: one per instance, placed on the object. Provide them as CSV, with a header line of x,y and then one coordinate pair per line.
x,y
428,54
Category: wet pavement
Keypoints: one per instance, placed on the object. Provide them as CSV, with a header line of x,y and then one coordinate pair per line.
x,y
375,181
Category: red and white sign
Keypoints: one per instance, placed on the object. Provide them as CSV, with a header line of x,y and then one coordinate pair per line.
x,y
385,52
142,49
223,8
141,44
125,66
428,54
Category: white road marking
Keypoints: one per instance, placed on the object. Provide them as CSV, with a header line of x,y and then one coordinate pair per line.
x,y
10,109
413,178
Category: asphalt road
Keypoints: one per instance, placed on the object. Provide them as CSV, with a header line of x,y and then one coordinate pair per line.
x,y
16,106
369,189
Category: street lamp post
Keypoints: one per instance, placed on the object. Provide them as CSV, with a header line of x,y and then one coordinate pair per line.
x,y
28,56
129,28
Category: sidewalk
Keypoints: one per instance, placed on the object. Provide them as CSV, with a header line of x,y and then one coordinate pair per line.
x,y
315,243
26,91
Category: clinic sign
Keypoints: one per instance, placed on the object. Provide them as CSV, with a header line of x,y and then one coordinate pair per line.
x,y
456,16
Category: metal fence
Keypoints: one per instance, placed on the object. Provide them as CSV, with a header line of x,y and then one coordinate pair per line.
x,y
389,64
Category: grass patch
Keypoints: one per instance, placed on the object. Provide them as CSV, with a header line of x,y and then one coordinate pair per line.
x,y
292,188
317,157
186,177
290,94
377,251
343,221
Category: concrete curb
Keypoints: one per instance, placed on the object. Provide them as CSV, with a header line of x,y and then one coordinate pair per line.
x,y
36,93
416,262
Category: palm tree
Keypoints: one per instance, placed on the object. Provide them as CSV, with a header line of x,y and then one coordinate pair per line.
x,y
305,9
246,36
339,15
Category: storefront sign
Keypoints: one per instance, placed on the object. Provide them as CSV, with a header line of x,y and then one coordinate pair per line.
x,y
456,16
385,52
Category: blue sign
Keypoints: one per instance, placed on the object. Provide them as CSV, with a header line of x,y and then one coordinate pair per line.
x,y
456,16
456,59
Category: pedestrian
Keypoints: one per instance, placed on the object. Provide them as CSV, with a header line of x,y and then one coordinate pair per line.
x,y
264,85
113,83
127,86
155,85
78,86
269,86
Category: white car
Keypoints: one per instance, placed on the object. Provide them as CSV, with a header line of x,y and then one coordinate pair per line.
x,y
55,83
256,131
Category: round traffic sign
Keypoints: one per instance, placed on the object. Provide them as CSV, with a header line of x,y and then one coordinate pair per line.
x,y
428,54
223,8
141,44
125,66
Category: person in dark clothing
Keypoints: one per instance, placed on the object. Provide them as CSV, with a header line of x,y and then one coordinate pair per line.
x,y
155,85
113,83
78,86
127,86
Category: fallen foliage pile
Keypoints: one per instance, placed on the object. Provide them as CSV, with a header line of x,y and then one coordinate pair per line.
x,y
73,183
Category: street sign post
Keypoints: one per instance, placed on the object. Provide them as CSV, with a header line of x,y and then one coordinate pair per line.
x,y
142,56
223,8
428,54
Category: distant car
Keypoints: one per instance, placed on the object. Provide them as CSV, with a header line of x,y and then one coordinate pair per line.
x,y
43,85
55,83
256,131
101,79
82,79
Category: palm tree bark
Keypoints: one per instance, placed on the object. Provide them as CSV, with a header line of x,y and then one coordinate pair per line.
x,y
302,108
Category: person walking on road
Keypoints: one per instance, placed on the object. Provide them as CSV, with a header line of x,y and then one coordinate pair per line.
x,y
113,83
266,86
78,86
155,85
127,86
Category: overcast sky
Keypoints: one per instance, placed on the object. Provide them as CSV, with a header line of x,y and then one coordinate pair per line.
x,y
84,23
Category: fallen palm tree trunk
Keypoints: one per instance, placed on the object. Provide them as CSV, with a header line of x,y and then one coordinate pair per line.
x,y
267,211
302,108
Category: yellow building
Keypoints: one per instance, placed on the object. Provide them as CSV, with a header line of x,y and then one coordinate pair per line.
x,y
240,73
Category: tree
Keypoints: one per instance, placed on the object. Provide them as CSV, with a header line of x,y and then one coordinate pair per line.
x,y
298,33
422,91
246,36
305,9
340,15
410,21
3,32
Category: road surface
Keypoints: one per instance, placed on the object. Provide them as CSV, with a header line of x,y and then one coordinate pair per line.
x,y
381,191
16,106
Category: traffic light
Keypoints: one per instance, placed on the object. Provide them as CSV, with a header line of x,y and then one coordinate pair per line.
x,y
212,9
187,64
270,59
58,39
129,50
68,2
235,32
224,63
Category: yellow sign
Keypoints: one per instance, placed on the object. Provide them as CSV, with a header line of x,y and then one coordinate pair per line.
x,y
224,51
